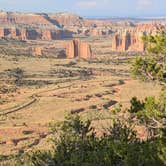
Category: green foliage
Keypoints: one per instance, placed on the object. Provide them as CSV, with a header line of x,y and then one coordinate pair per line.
x,y
2,157
85,74
16,75
2,101
75,143
136,105
147,68
7,89
155,44
37,158
151,113
153,65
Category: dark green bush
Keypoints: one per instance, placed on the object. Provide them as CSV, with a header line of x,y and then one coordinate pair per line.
x,y
16,75
75,143
136,105
153,65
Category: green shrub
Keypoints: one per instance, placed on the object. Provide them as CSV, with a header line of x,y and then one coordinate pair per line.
x,y
136,105
152,66
76,143
16,75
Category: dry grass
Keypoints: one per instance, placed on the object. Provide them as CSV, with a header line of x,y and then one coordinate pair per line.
x,y
64,94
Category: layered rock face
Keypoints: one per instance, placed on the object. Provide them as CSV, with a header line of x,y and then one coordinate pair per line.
x,y
128,41
131,38
14,18
33,34
81,26
77,48
30,27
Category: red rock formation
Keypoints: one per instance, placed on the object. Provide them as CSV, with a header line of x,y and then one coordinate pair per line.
x,y
8,18
13,33
46,35
37,51
33,34
82,26
1,32
128,41
72,20
68,19
99,32
70,50
131,38
23,34
30,26
77,48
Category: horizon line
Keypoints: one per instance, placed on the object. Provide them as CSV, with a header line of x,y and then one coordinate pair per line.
x,y
92,16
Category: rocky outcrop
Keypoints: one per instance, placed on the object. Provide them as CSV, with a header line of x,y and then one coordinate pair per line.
x,y
81,26
77,48
30,26
33,34
131,38
37,51
73,20
15,18
68,19
97,32
33,26
46,35
128,41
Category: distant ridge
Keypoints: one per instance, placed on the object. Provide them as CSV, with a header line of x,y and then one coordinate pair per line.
x,y
53,26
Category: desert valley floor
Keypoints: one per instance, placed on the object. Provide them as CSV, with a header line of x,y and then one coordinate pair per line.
x,y
54,87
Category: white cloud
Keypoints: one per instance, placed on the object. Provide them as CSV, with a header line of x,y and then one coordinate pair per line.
x,y
144,4
86,4
92,4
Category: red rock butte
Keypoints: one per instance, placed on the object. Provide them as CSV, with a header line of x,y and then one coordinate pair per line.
x,y
77,48
130,39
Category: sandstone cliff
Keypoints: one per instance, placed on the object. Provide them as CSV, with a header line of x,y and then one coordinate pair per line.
x,y
33,34
30,27
128,41
77,48
79,25
33,26
131,39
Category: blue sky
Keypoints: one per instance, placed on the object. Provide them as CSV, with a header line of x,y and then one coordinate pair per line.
x,y
121,8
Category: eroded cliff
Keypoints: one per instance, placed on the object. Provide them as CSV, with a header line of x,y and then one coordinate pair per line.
x,y
130,39
77,48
